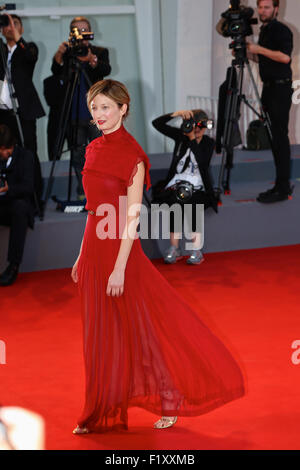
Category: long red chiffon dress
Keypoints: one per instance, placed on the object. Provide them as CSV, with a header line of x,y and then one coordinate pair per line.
x,y
146,348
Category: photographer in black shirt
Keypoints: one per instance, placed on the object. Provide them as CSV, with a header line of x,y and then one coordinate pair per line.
x,y
191,159
274,51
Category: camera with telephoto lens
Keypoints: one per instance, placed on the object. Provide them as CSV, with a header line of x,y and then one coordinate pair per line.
x,y
238,21
75,42
189,124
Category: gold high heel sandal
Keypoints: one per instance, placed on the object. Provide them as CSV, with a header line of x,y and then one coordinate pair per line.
x,y
165,422
79,430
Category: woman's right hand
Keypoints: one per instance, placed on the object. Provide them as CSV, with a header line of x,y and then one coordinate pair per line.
x,y
74,273
187,114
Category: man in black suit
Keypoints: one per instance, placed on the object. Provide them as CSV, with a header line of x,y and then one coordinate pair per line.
x,y
16,199
21,58
94,65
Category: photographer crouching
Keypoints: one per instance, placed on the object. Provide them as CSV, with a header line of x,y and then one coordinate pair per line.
x,y
192,154
16,199
94,66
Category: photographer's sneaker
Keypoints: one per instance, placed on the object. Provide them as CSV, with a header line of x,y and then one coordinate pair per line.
x,y
196,257
172,255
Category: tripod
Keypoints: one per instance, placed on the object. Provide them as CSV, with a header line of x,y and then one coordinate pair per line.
x,y
73,80
232,112
15,105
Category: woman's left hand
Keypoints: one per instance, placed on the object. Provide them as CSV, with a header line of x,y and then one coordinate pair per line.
x,y
115,286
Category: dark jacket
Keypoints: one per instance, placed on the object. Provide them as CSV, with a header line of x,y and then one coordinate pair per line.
x,y
20,180
23,62
203,153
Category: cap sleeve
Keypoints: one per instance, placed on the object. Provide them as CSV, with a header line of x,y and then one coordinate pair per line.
x,y
147,180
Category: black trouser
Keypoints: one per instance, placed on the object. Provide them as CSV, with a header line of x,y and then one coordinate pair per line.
x,y
79,136
169,197
30,142
15,214
277,100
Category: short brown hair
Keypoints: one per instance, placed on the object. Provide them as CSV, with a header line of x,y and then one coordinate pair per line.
x,y
199,114
113,89
275,3
80,18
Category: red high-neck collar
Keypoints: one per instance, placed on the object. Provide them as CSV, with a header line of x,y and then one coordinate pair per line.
x,y
115,135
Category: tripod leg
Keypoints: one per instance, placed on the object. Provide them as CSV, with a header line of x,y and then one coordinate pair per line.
x,y
228,108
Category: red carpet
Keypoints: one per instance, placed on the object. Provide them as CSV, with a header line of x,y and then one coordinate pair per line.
x,y
249,298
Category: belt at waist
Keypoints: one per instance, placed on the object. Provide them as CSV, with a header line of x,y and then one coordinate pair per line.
x,y
281,81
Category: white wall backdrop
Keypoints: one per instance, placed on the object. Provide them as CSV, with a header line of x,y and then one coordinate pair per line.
x,y
194,49
164,50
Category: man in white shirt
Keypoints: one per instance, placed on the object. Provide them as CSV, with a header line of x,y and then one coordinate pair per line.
x,y
21,58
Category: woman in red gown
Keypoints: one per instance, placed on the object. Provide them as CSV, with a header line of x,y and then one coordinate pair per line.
x,y
143,345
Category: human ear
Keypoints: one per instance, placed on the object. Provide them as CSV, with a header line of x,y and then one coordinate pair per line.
x,y
124,108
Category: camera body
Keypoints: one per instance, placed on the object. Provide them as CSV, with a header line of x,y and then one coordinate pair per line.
x,y
238,21
189,124
75,42
4,21
184,191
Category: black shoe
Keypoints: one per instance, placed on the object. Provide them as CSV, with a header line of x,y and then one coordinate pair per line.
x,y
10,275
274,196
